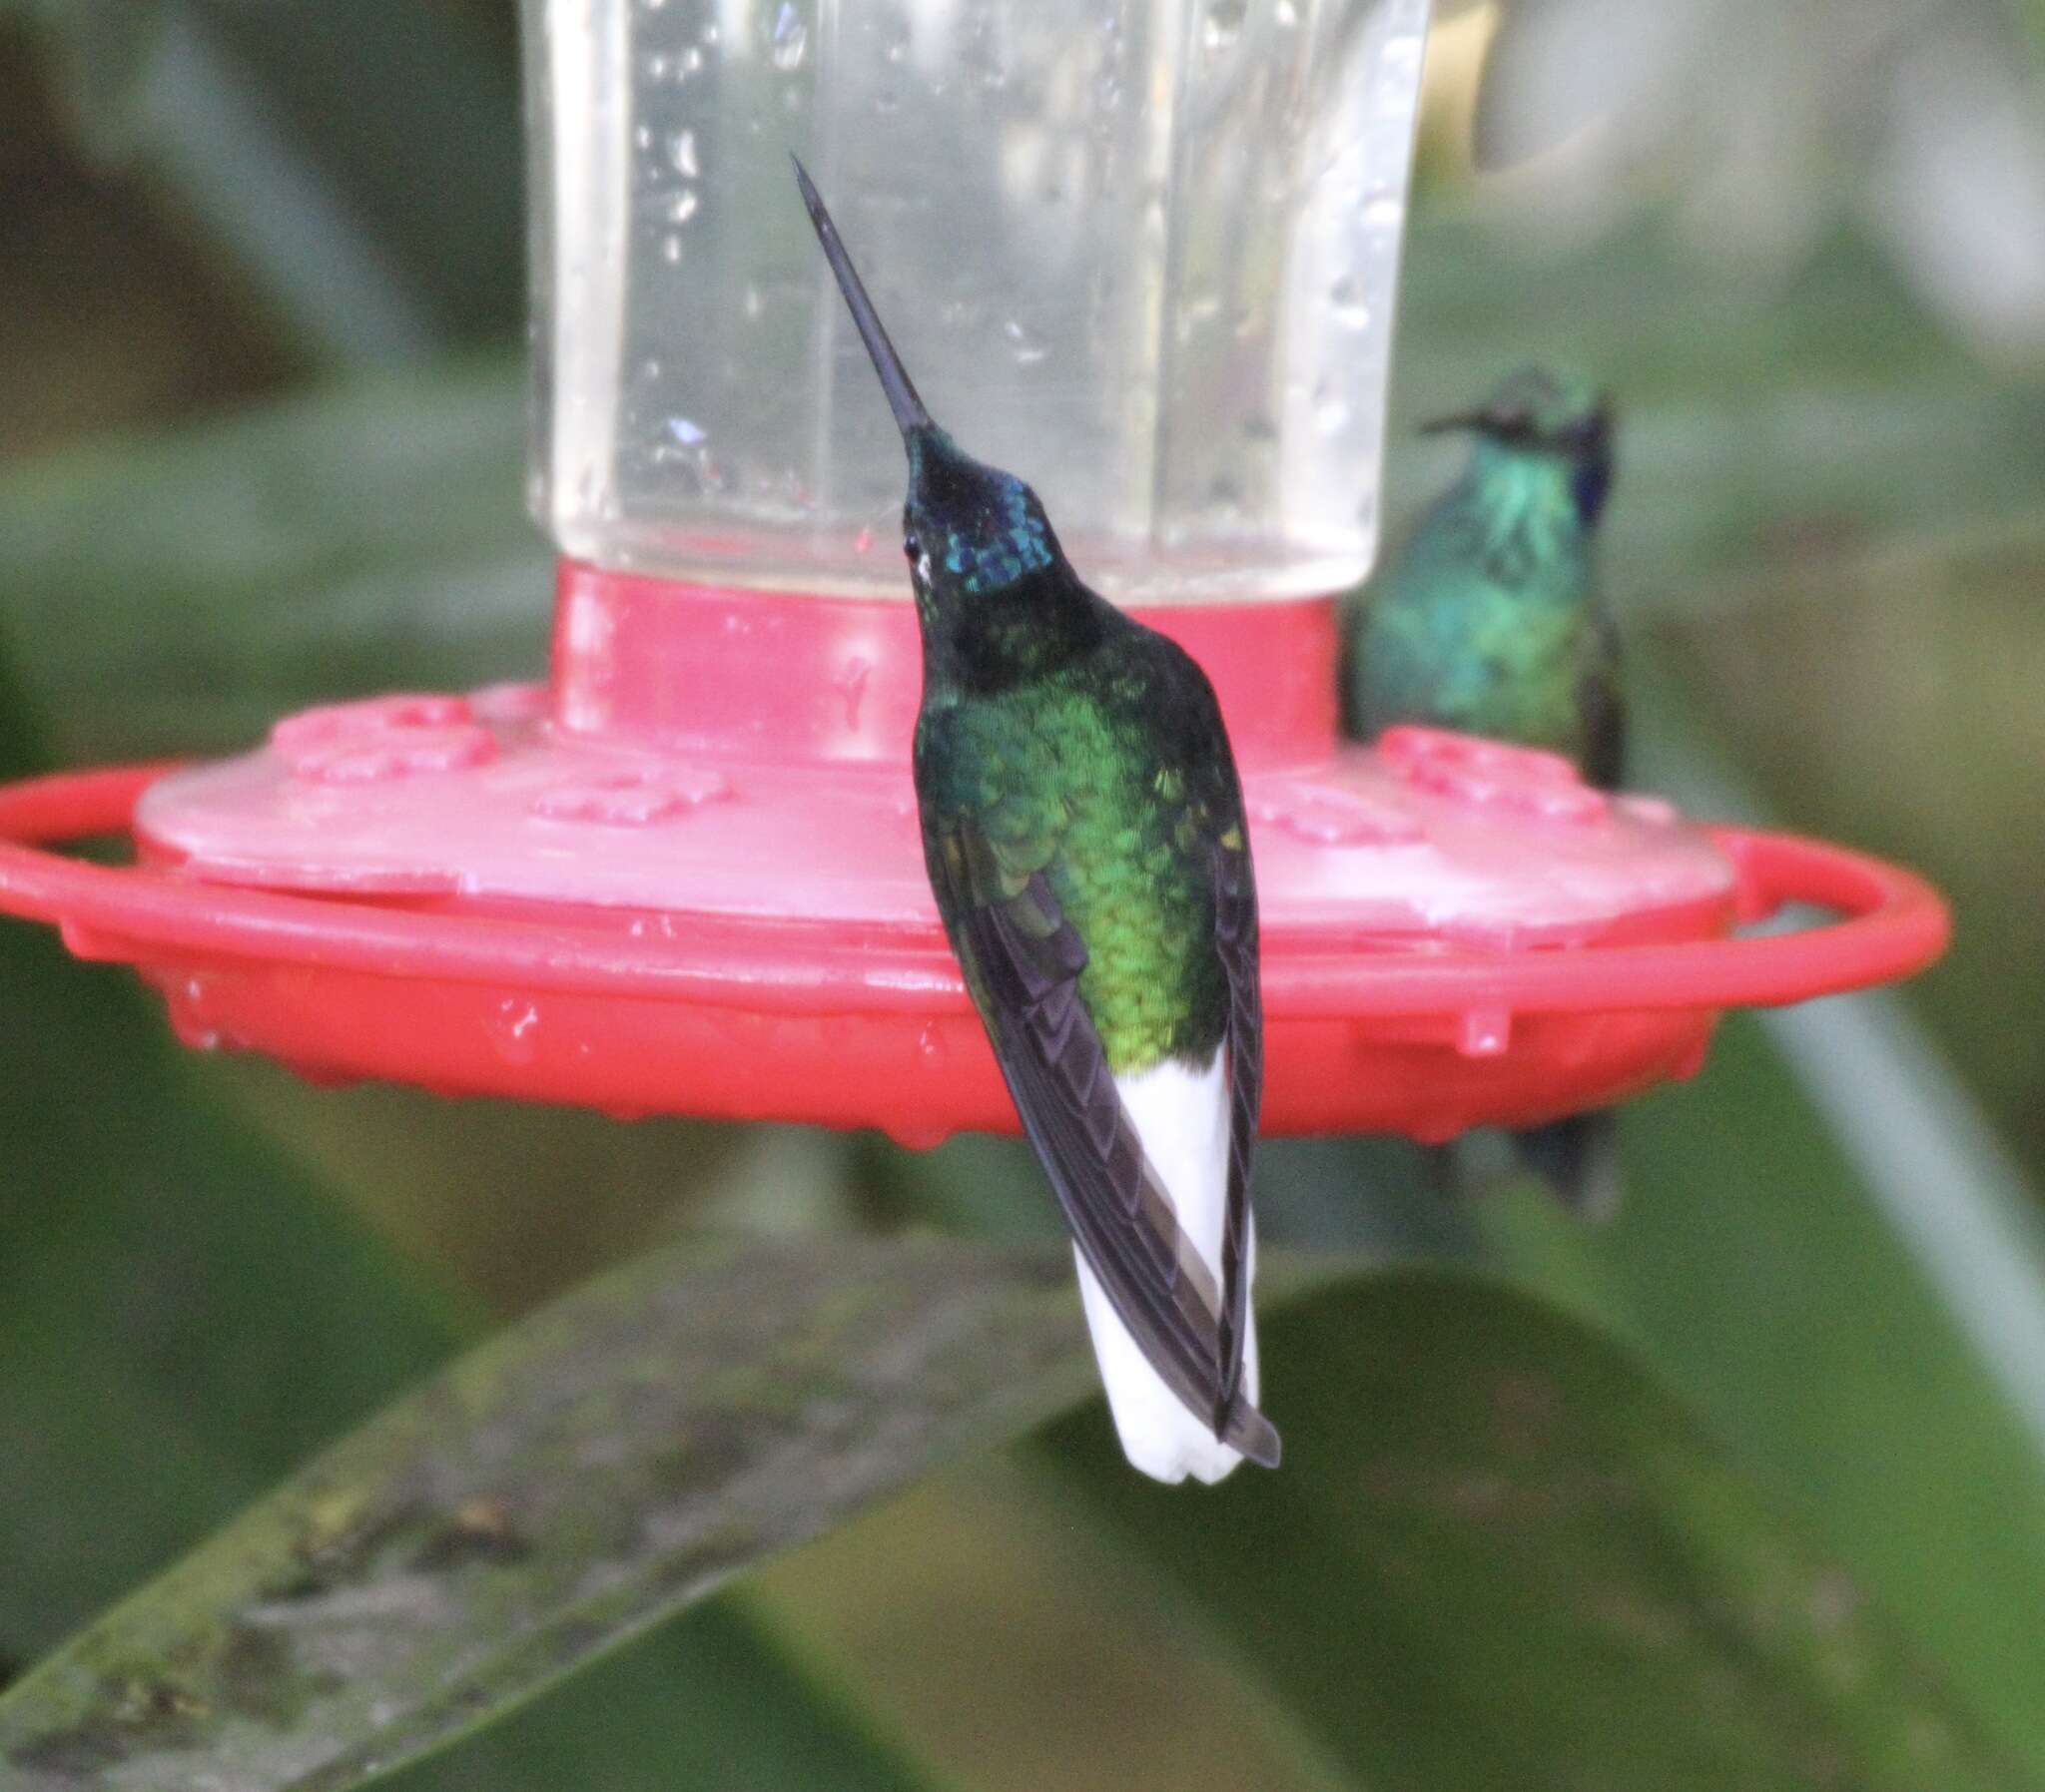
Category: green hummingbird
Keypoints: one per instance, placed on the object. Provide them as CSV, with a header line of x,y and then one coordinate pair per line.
x,y
1084,830
1490,620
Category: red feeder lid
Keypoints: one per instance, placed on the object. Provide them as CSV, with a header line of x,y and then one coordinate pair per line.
x,y
687,877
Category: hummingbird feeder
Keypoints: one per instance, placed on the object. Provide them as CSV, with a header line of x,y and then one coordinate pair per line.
x,y
1143,253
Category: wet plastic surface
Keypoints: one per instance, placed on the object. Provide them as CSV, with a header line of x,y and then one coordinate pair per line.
x,y
686,878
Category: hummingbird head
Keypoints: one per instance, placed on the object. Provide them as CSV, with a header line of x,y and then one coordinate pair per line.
x,y
988,570
969,530
1553,416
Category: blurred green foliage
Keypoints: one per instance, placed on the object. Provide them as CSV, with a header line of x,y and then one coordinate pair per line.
x,y
1747,1490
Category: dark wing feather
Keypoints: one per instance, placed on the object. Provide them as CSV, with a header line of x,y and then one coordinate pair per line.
x,y
1235,939
1024,960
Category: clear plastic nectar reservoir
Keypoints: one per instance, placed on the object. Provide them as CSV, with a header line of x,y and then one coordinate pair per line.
x,y
1141,253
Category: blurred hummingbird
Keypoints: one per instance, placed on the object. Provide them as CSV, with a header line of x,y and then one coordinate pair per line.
x,y
1082,824
1490,621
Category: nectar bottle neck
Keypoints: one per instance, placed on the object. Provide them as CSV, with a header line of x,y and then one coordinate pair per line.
x,y
785,677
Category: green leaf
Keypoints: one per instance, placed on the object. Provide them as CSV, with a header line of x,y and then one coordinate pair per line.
x,y
603,1464
1852,1299
712,1701
1497,1556
1495,1553
174,596
1763,1282
185,1314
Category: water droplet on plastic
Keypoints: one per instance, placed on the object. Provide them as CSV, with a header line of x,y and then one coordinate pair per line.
x,y
656,67
642,136
515,1023
1346,300
681,150
1286,15
791,38
649,369
1027,347
681,207
1223,24
1383,211
709,33
1484,1032
750,301
1259,427
981,59
1331,409
687,431
671,249
850,686
863,542
929,1047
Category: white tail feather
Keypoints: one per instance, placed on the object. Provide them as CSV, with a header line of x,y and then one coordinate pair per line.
x,y
1181,1118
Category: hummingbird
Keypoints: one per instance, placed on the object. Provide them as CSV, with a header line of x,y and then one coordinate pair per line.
x,y
1084,830
1491,621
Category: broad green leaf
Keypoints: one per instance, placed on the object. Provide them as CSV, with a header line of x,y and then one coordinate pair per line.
x,y
1499,1555
184,1317
1020,1647
711,1701
1496,1554
185,1314
1832,1317
1755,1273
601,1465
177,595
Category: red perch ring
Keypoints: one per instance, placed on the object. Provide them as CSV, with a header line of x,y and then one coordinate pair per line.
x,y
646,890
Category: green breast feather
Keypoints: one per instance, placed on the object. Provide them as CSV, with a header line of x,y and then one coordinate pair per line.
x,y
1489,622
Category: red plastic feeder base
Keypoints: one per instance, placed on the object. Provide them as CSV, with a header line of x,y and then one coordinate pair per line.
x,y
686,878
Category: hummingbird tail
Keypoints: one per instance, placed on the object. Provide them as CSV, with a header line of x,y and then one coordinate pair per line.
x,y
1181,1118
1579,1158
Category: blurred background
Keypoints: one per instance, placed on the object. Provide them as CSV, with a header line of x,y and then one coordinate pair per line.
x,y
262,411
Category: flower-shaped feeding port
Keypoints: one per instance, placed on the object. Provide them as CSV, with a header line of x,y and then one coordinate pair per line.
x,y
685,874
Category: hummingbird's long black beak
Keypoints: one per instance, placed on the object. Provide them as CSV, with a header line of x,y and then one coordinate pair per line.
x,y
902,399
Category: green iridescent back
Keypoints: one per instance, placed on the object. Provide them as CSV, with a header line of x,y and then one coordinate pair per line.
x,y
1103,774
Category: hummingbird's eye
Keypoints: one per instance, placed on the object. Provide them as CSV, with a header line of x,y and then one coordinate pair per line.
x,y
912,547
